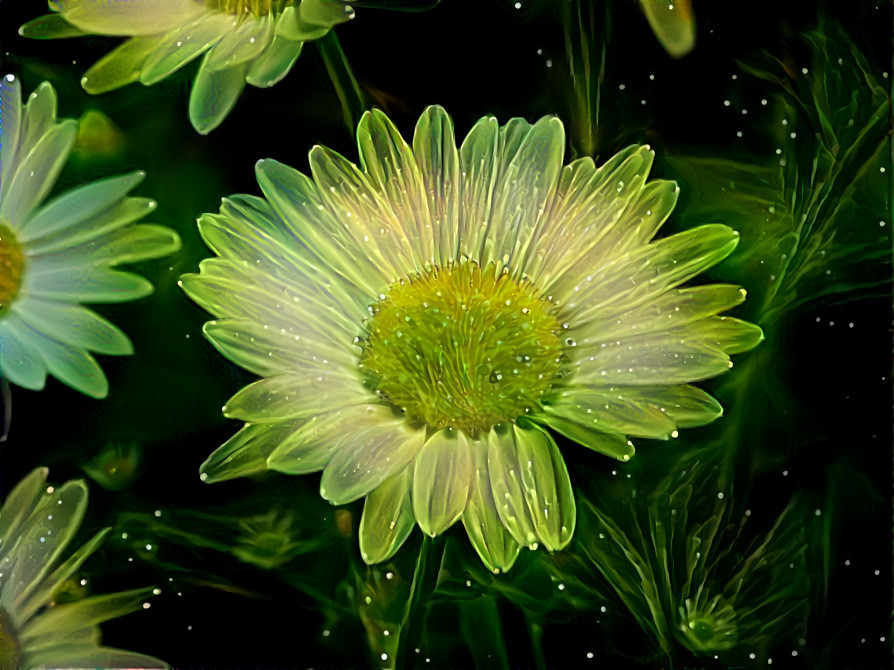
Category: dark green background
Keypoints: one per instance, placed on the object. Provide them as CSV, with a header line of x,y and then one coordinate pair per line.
x,y
474,57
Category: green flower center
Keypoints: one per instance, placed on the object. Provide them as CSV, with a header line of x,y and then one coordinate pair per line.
x,y
9,643
462,346
11,262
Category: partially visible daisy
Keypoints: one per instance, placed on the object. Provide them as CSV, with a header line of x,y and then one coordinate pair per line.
x,y
56,255
423,321
38,627
243,41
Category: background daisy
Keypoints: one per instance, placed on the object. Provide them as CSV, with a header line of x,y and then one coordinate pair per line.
x,y
56,255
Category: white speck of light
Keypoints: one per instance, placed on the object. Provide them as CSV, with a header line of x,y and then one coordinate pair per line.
x,y
589,654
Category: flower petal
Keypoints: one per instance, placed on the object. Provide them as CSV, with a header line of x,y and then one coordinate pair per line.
x,y
20,361
673,24
268,352
271,66
527,182
41,538
246,452
91,656
122,65
391,167
687,406
434,146
675,308
370,452
478,166
50,27
80,284
214,94
310,447
611,410
85,612
11,115
493,542
637,277
73,325
37,172
441,479
50,585
116,216
296,199
507,487
611,444
387,519
242,42
363,213
546,486
78,205
181,46
292,397
20,504
71,365
133,17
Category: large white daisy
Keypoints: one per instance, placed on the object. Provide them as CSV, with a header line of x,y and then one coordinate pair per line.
x,y
422,322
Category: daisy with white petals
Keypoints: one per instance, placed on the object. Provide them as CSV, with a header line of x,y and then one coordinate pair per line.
x,y
39,628
424,321
241,41
54,256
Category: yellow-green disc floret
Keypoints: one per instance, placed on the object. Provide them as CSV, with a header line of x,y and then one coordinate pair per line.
x,y
463,347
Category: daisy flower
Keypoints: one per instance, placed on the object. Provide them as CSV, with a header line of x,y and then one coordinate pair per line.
x,y
55,255
39,628
241,41
423,321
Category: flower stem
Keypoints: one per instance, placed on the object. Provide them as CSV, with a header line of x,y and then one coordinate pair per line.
x,y
535,630
350,96
425,579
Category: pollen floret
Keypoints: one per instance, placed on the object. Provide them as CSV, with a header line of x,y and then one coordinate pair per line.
x,y
56,255
243,42
423,321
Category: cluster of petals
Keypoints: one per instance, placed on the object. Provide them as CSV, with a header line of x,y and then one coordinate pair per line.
x,y
241,41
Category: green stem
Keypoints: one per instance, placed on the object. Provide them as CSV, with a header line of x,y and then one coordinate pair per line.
x,y
535,630
425,579
351,98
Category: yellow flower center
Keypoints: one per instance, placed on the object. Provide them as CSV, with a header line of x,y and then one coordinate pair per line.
x,y
9,643
253,7
11,262
462,346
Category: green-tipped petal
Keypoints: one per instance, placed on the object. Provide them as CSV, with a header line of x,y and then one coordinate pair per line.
x,y
289,397
673,24
55,517
369,458
86,612
271,66
491,539
506,484
546,485
21,362
37,172
50,27
441,480
612,411
20,503
246,452
687,406
434,147
242,43
387,518
134,17
184,45
88,285
74,325
72,366
120,66
214,94
80,204
611,444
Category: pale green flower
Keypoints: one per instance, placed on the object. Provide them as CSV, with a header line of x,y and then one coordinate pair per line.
x,y
56,255
39,629
243,41
422,321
